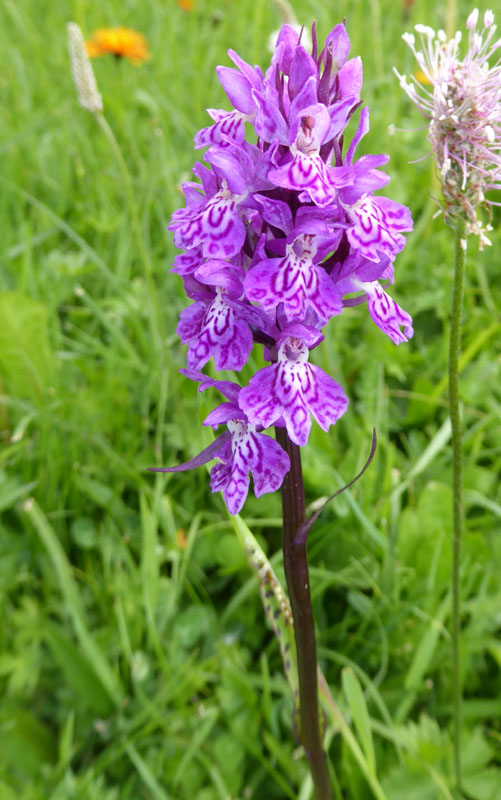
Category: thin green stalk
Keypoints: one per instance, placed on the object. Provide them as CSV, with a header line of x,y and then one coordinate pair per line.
x,y
296,573
450,19
454,351
155,315
136,225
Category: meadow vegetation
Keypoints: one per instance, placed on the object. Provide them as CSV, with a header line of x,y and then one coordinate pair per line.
x,y
135,660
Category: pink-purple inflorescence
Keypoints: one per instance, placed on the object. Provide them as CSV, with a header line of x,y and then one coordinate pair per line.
x,y
463,106
276,235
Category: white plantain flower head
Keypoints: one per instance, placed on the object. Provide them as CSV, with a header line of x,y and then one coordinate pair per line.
x,y
463,105
83,74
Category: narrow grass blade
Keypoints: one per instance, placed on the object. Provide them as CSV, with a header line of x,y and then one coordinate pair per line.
x,y
422,659
337,719
149,566
79,674
66,229
69,591
360,715
368,526
146,774
196,743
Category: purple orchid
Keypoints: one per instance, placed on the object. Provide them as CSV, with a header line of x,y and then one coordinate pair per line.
x,y
278,236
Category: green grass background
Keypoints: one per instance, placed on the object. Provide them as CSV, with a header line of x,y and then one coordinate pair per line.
x,y
135,660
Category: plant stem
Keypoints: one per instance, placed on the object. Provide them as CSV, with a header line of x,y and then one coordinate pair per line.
x,y
454,351
155,313
296,573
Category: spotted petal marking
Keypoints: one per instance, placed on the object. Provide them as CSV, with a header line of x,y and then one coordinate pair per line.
x,y
377,223
297,283
306,173
228,129
386,313
216,227
249,451
216,331
292,389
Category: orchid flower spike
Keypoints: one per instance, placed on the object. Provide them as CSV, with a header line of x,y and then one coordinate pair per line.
x,y
277,236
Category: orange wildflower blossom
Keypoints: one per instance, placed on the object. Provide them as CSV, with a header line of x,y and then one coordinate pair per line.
x,y
186,5
120,42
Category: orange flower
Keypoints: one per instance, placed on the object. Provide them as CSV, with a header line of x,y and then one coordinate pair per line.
x,y
186,5
121,42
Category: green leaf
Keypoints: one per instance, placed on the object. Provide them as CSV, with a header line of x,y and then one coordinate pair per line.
x,y
486,785
26,360
69,589
78,672
11,490
25,743
360,715
145,773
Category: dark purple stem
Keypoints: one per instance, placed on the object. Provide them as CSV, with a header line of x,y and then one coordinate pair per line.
x,y
296,574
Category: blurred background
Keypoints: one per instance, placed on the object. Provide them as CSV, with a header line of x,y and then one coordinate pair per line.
x,y
135,660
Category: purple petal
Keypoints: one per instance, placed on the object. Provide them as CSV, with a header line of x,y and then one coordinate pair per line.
x,y
221,335
309,127
377,222
302,70
268,463
223,413
216,228
255,316
339,115
190,322
207,177
232,165
212,451
220,472
305,98
237,88
285,47
228,129
186,263
258,399
297,283
216,272
236,490
275,212
269,122
228,389
253,74
388,315
326,400
339,42
350,78
307,173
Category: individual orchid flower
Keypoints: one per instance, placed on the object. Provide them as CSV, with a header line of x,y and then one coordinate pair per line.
x,y
292,389
211,326
241,449
294,281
